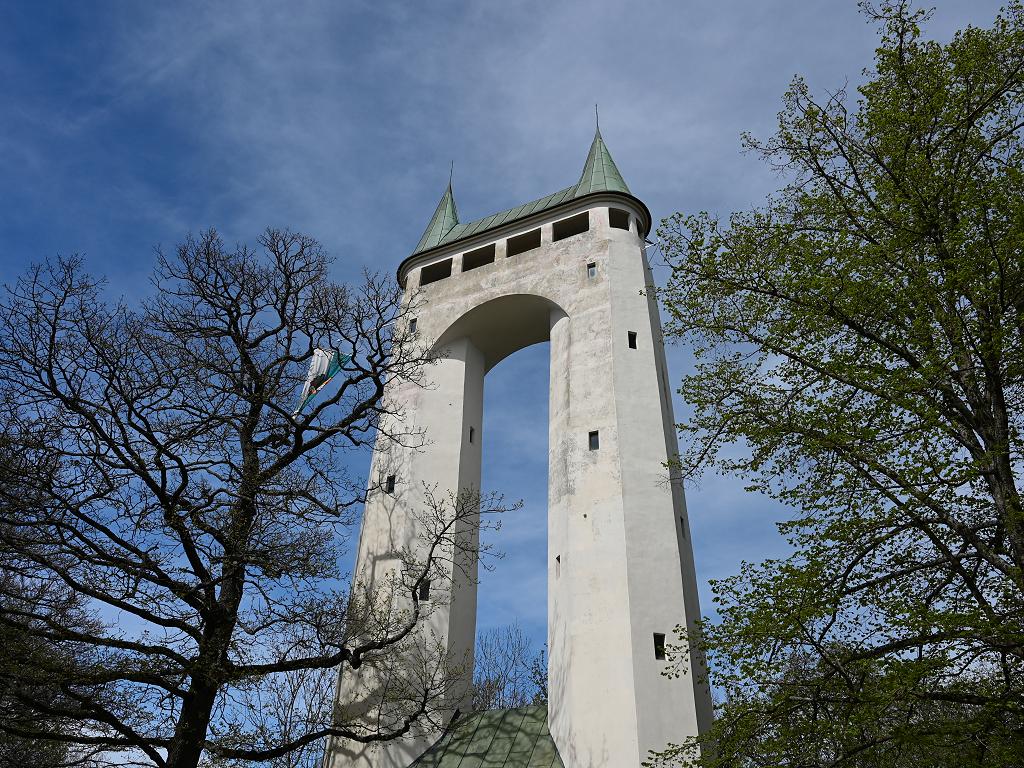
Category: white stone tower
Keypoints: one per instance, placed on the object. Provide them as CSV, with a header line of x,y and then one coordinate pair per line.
x,y
570,268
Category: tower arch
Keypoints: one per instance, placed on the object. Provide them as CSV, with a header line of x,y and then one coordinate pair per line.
x,y
501,326
569,268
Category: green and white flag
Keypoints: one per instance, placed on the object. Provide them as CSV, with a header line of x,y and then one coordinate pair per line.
x,y
322,368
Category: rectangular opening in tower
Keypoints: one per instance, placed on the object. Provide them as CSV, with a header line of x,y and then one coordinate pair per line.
x,y
631,339
592,269
434,272
523,243
574,225
478,258
659,646
389,484
618,218
594,440
424,590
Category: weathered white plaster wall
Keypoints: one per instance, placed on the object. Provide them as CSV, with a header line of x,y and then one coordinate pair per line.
x,y
620,563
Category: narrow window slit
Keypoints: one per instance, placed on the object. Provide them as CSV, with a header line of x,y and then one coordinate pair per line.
x,y
631,338
659,646
594,440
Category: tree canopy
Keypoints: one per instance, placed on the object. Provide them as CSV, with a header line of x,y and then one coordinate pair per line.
x,y
172,524
860,356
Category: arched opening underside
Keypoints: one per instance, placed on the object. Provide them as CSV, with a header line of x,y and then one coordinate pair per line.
x,y
504,325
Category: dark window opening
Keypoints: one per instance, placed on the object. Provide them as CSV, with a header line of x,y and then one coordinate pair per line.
x,y
595,441
412,325
618,219
424,590
478,258
631,337
389,484
558,566
592,270
434,272
682,526
574,225
659,646
522,243
472,432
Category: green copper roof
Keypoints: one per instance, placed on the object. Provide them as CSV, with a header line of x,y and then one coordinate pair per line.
x,y
599,172
445,217
498,738
599,175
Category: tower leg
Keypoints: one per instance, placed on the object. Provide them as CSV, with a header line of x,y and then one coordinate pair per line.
x,y
395,533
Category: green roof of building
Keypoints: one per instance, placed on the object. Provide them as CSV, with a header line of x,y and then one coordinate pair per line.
x,y
497,738
599,175
445,217
599,172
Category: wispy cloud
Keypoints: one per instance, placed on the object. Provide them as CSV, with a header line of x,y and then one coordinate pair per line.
x,y
125,126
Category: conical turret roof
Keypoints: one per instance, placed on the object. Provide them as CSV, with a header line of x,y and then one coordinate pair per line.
x,y
445,217
599,172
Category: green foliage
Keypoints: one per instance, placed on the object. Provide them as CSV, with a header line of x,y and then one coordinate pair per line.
x,y
860,347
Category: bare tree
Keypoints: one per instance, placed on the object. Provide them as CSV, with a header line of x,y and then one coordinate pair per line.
x,y
507,671
175,523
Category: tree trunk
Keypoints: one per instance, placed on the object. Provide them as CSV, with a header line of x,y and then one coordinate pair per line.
x,y
187,745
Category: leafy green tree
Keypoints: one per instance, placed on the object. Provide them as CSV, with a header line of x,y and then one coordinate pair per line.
x,y
860,357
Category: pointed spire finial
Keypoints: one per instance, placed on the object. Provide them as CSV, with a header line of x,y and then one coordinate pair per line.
x,y
445,217
599,172
597,118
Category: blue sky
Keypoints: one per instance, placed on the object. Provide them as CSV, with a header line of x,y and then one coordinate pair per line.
x,y
124,126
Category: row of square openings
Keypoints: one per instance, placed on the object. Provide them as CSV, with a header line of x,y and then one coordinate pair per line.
x,y
560,230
